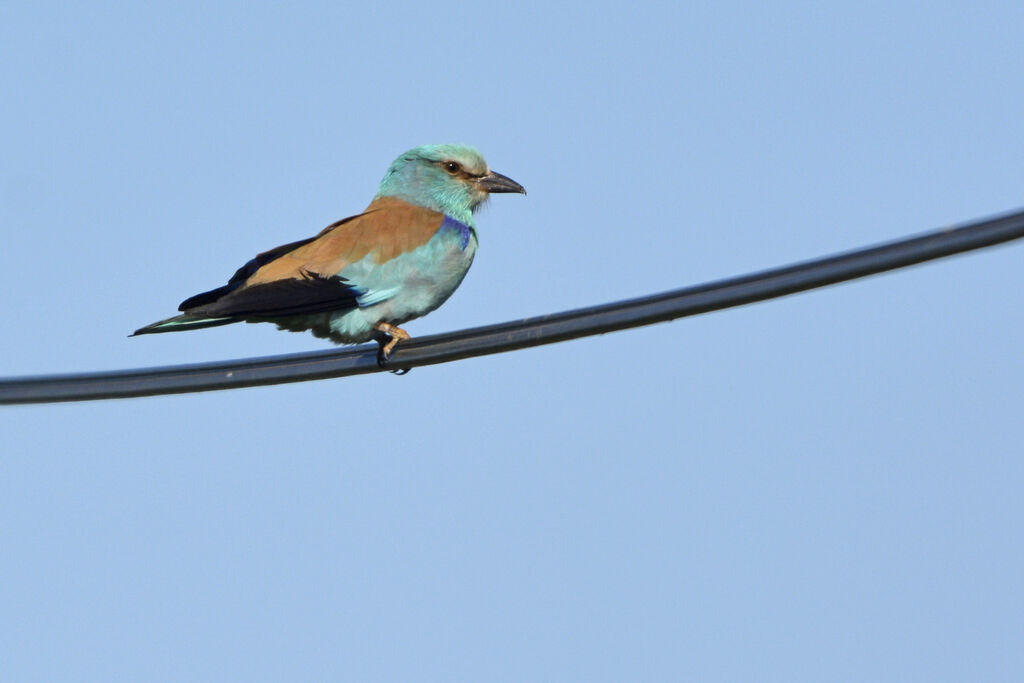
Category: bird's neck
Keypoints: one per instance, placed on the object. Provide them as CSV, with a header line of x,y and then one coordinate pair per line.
x,y
394,201
435,202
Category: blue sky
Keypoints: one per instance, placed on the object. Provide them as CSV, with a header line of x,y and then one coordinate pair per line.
x,y
825,487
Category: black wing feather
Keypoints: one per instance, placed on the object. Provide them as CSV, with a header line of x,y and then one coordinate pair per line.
x,y
241,275
312,294
254,264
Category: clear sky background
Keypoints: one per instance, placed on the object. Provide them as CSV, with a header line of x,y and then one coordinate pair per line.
x,y
824,487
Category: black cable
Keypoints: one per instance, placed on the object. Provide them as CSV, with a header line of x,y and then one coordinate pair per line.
x,y
547,329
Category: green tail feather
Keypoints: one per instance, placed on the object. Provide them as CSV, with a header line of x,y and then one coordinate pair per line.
x,y
181,323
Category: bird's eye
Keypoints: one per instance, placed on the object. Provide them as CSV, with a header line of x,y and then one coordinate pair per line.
x,y
452,167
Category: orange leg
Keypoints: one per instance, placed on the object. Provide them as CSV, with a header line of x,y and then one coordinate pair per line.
x,y
397,334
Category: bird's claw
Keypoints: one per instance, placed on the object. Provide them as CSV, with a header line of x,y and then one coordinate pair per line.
x,y
395,335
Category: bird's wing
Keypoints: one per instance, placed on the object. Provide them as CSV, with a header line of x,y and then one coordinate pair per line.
x,y
306,276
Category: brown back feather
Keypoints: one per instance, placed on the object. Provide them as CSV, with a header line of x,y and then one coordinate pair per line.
x,y
389,227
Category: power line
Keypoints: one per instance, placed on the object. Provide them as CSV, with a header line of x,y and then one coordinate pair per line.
x,y
519,334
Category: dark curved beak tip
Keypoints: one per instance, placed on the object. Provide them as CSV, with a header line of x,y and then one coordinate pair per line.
x,y
496,182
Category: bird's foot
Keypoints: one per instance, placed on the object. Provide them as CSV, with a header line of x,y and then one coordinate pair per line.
x,y
396,334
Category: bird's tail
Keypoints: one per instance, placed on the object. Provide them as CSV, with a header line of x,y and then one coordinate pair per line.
x,y
180,323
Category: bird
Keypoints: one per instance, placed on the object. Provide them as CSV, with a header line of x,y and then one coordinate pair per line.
x,y
362,277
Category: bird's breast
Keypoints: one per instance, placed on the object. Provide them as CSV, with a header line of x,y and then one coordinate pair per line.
x,y
433,271
417,281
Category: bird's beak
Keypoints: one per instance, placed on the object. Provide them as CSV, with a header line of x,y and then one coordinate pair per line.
x,y
495,182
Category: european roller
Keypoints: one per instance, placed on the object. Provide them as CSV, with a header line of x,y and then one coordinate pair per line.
x,y
363,276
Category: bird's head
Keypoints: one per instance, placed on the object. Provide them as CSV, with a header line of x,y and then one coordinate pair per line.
x,y
452,179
